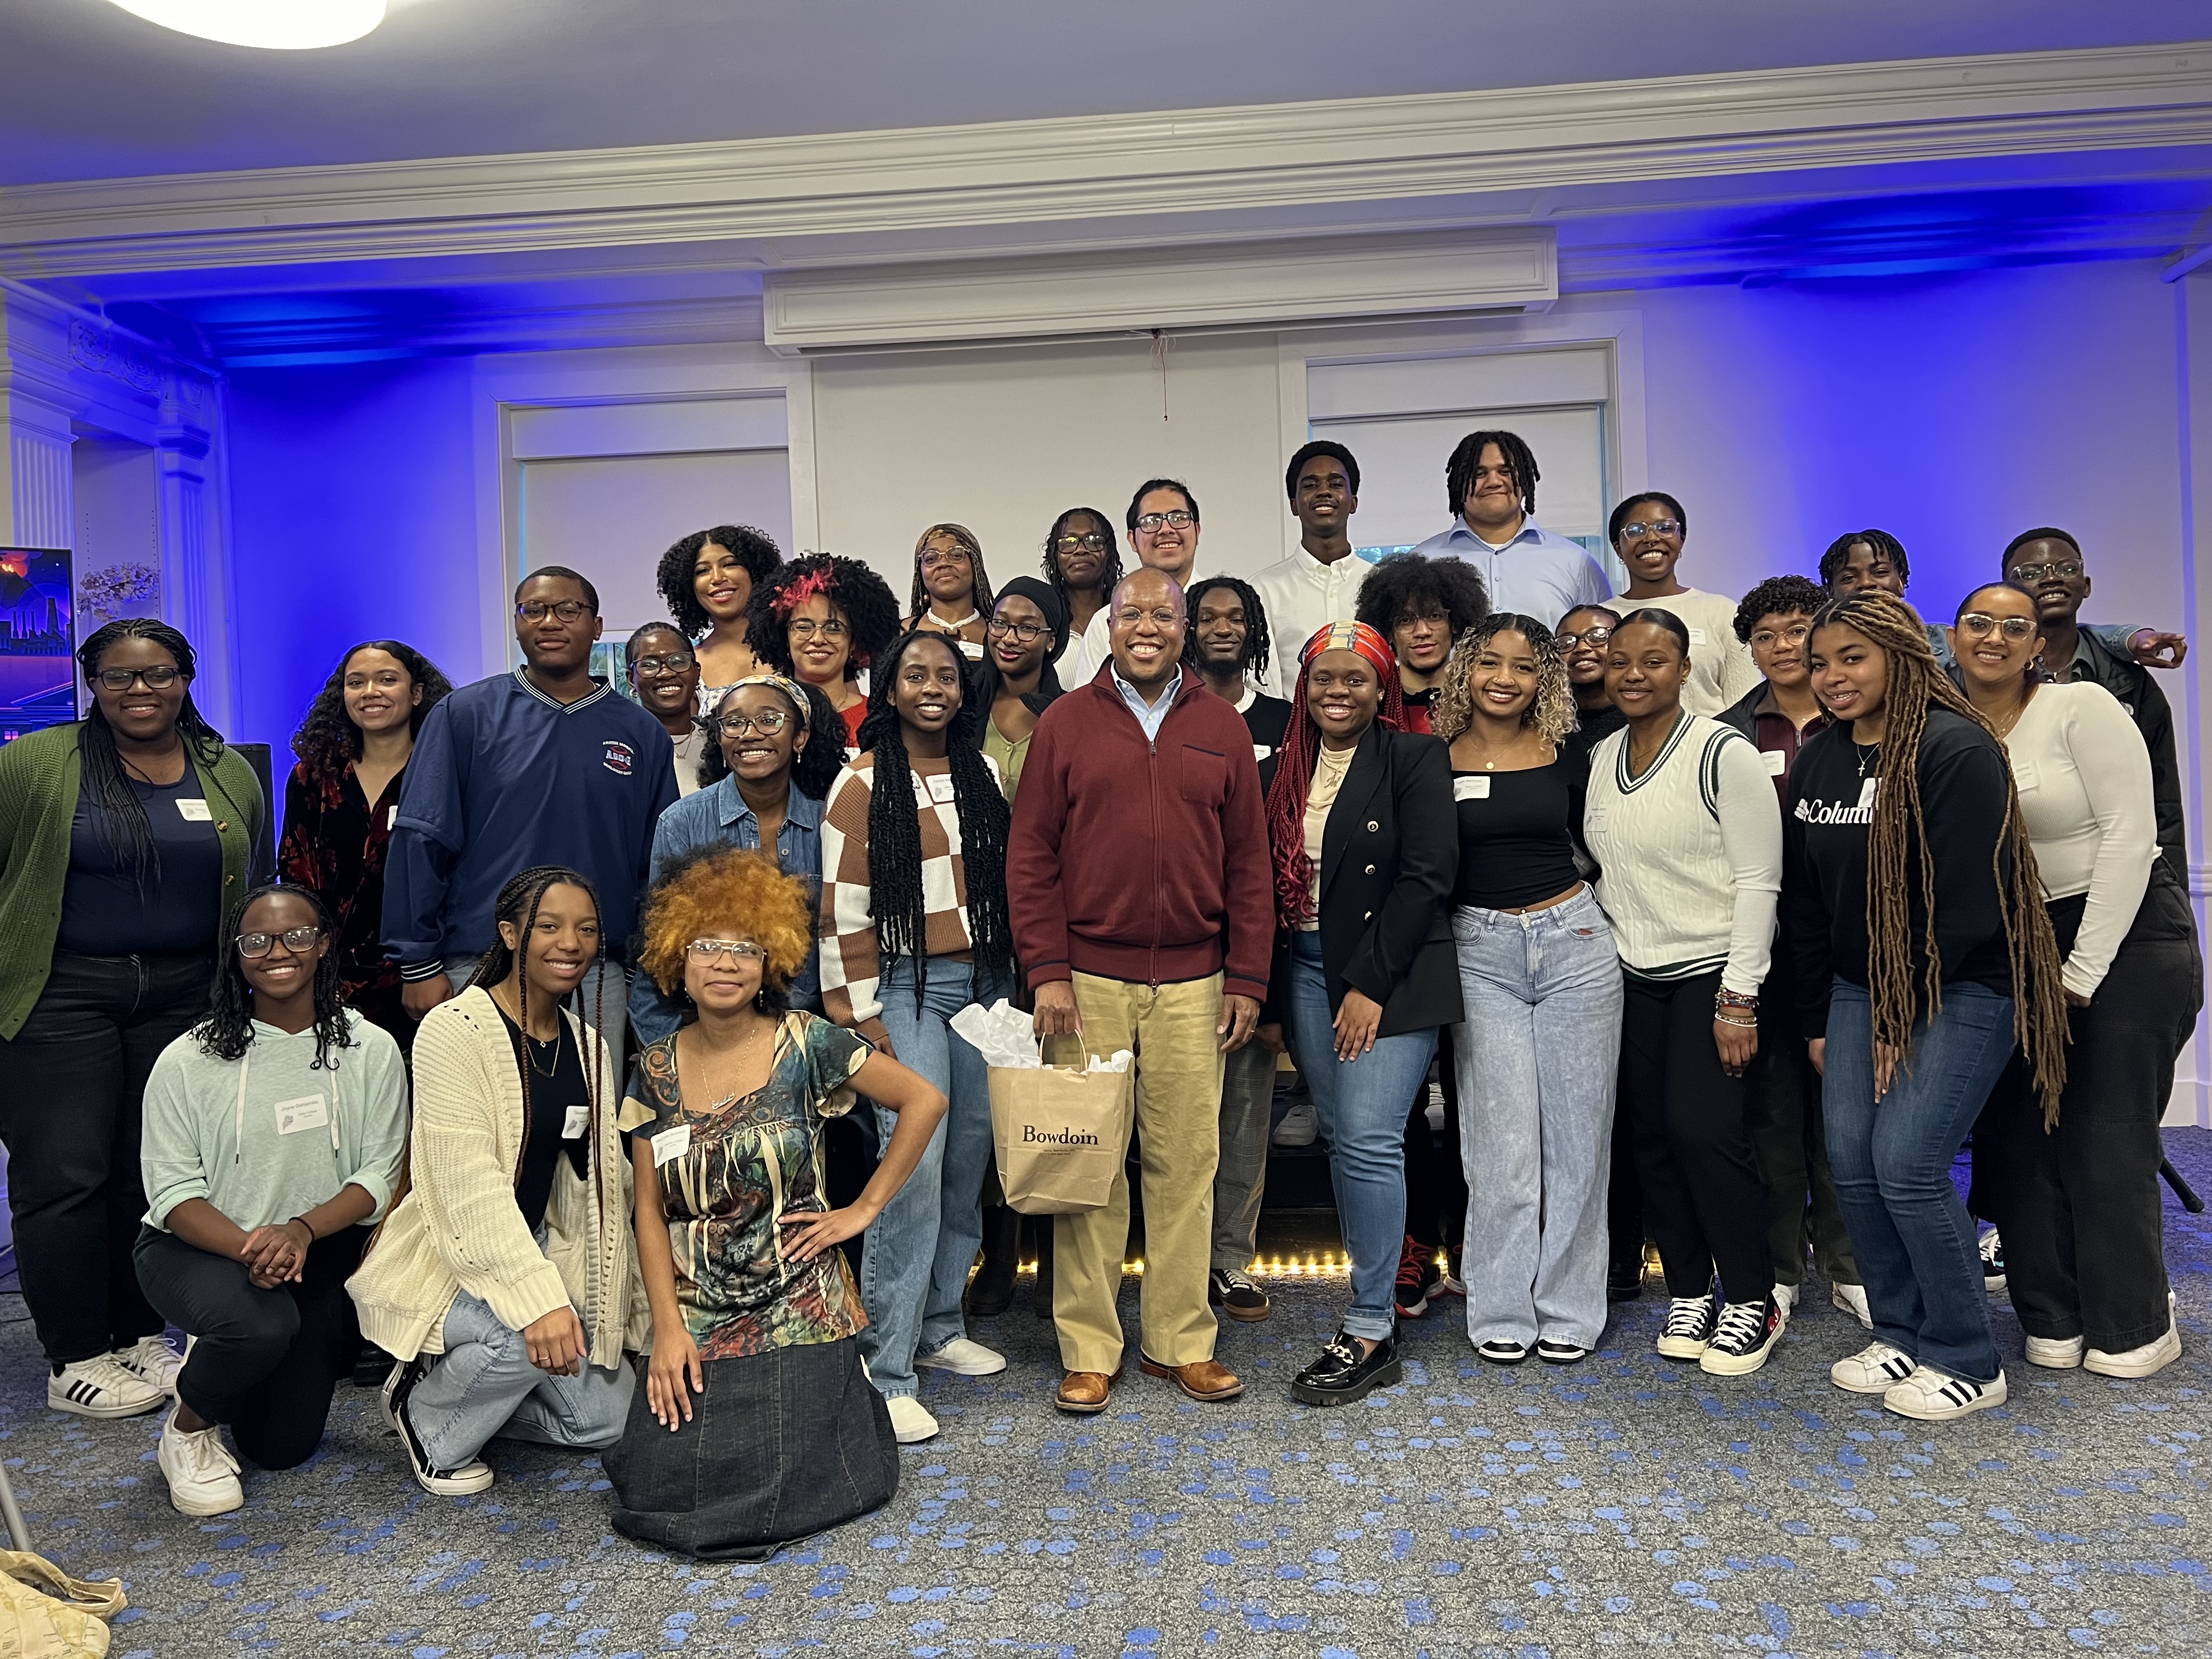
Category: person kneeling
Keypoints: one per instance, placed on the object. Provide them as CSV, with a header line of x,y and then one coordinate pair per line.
x,y
504,1279
757,1426
274,1129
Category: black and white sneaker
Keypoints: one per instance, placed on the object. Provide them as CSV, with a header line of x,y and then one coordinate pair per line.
x,y
1993,1267
1231,1289
1344,1374
1743,1336
1555,1350
472,1476
1875,1368
1933,1396
1502,1351
1689,1329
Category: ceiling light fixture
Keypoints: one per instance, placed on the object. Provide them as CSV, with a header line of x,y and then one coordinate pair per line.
x,y
276,25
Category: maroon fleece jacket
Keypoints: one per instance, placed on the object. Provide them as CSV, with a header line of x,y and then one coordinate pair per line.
x,y
1144,862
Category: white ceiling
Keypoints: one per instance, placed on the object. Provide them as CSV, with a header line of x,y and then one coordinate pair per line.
x,y
87,91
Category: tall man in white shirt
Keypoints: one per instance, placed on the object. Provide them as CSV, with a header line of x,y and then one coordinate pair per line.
x,y
1491,484
1319,583
1163,525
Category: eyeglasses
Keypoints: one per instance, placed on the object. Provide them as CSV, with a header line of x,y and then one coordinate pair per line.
x,y
2036,573
736,949
1415,618
674,663
120,679
1152,523
1095,541
298,940
1639,530
1588,636
805,628
1767,638
998,628
768,723
1129,617
566,610
1976,625
937,559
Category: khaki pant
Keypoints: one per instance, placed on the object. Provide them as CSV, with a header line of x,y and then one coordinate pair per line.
x,y
1171,1030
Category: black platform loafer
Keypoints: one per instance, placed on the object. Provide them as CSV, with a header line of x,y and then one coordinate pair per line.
x,y
1343,1374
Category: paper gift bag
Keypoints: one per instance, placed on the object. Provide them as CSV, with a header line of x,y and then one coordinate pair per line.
x,y
1063,1132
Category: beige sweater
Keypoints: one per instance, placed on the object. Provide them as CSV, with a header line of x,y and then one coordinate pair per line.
x,y
457,1227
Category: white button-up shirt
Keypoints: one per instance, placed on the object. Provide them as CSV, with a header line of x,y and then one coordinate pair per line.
x,y
1536,574
1303,596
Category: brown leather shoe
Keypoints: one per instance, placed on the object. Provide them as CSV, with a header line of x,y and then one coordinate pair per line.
x,y
1082,1392
1202,1379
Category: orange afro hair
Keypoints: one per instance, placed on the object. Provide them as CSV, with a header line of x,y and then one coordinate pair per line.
x,y
721,892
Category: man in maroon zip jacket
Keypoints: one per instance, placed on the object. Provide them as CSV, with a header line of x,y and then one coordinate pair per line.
x,y
1142,899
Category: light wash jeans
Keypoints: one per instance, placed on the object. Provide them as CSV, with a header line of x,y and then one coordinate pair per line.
x,y
1913,1240
915,1266
1361,1104
1536,1059
483,1385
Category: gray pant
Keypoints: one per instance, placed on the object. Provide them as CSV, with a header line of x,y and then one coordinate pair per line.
x,y
1536,1061
483,1385
1248,1088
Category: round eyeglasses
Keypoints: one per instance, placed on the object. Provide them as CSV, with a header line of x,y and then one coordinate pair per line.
x,y
298,940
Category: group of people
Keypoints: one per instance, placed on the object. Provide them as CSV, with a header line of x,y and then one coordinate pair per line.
x,y
1719,925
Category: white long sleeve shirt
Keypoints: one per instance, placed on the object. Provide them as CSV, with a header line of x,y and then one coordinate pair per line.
x,y
1722,673
1303,596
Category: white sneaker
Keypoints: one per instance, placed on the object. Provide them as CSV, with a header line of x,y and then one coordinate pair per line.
x,y
1434,1110
102,1386
966,1358
1785,1297
1299,1127
202,1474
2136,1362
1688,1331
910,1418
1875,1368
2057,1353
153,1358
1851,1299
1930,1397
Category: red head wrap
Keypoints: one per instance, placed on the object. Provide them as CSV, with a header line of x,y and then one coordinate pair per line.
x,y
1294,767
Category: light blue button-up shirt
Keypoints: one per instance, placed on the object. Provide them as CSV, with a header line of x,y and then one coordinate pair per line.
x,y
1149,714
1536,574
717,816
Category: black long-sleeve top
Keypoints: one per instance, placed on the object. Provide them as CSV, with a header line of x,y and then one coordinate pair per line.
x,y
1963,787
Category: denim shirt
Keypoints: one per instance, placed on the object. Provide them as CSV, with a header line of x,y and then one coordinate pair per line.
x,y
717,816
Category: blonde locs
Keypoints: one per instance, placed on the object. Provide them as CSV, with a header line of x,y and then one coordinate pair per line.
x,y
1550,713
1915,682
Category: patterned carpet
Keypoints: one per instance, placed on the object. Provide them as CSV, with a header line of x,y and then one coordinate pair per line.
x,y
1627,1505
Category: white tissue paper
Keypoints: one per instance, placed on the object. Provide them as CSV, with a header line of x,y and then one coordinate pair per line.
x,y
1120,1060
1001,1034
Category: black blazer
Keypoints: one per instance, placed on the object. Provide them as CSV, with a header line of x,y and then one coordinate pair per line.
x,y
1389,861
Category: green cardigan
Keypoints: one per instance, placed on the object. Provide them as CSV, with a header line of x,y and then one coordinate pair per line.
x,y
40,775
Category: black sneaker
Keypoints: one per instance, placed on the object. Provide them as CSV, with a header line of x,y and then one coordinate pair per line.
x,y
472,1476
1232,1291
1343,1374
1502,1351
1743,1336
1418,1279
1993,1267
1689,1330
1552,1351
1624,1280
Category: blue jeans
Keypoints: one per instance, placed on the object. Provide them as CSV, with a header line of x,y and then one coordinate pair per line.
x,y
1912,1237
484,1385
1361,1104
1536,1066
920,1249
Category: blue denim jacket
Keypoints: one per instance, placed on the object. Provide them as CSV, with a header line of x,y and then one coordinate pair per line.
x,y
717,816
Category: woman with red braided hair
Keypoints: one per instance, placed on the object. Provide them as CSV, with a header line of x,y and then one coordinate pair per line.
x,y
1366,854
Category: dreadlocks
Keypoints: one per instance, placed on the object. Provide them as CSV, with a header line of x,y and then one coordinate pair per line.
x,y
227,1031
1258,645
1110,572
1293,780
895,877
115,805
960,535
1901,865
1881,542
1459,471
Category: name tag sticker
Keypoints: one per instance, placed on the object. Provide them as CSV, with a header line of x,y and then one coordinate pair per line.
x,y
1471,788
194,811
1866,794
1594,819
309,1112
579,1119
1775,761
970,650
941,787
1261,751
391,815
2024,774
1697,636
671,1144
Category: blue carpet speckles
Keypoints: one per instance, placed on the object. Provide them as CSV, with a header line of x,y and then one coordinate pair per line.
x,y
1623,1505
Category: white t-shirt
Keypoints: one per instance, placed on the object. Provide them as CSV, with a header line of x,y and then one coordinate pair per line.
x,y
1722,673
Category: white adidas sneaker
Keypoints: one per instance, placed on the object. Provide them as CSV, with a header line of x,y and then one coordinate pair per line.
x,y
1875,1368
102,1386
1930,1397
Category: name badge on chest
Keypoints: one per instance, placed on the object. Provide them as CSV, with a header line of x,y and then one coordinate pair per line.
x,y
670,1145
1477,788
194,811
578,1121
309,1112
1774,760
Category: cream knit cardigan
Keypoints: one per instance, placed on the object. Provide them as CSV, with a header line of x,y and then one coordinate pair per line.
x,y
457,1228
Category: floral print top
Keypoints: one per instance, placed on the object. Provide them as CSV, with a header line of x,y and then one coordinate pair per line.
x,y
749,1160
335,843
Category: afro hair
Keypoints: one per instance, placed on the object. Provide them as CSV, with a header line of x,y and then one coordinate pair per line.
x,y
871,610
756,553
725,892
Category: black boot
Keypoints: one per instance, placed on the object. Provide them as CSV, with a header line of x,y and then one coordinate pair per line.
x,y
990,1292
1041,1297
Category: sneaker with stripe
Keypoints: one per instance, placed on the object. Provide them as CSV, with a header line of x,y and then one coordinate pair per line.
x,y
472,1476
102,1386
1875,1368
153,1358
1930,1397
1689,1328
1743,1336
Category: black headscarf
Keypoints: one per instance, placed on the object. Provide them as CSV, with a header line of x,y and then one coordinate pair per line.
x,y
985,680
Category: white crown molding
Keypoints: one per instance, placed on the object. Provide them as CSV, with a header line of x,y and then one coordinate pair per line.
x,y
1216,161
275,342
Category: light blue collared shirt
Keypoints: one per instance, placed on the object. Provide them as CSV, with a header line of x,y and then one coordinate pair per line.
x,y
717,816
1149,714
1536,574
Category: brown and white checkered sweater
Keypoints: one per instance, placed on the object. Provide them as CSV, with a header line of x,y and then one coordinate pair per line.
x,y
851,963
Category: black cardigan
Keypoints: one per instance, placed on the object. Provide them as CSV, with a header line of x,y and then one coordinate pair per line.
x,y
1390,861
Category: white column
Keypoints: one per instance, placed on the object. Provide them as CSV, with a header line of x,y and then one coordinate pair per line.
x,y
37,502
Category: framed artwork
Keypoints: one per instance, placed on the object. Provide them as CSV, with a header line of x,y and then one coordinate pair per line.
x,y
38,635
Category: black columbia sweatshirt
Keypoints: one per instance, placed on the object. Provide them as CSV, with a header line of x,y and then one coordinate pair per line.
x,y
1825,830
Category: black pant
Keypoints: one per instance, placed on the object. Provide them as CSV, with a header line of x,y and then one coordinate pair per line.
x,y
69,1113
1624,1200
2079,1206
1782,1096
1436,1183
265,1362
1702,1196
